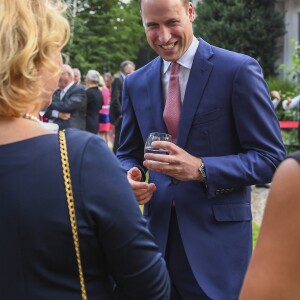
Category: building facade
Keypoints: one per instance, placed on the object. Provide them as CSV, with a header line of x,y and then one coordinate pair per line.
x,y
291,8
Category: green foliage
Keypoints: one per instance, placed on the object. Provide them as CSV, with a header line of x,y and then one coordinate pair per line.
x,y
294,70
247,26
286,89
104,33
290,139
255,232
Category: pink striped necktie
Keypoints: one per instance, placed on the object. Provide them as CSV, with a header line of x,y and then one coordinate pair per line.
x,y
172,109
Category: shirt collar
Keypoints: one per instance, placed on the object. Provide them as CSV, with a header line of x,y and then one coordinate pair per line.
x,y
67,87
186,60
122,75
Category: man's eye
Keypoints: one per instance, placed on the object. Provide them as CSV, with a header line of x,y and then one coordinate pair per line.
x,y
174,22
152,25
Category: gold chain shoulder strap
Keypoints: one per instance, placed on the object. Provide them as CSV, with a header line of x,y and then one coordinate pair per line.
x,y
71,206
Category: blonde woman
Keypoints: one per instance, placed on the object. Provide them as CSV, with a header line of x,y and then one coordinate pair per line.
x,y
37,255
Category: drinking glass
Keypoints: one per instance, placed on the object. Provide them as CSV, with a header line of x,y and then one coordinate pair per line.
x,y
157,136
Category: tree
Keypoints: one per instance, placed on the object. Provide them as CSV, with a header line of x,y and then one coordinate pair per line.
x,y
251,27
294,70
104,33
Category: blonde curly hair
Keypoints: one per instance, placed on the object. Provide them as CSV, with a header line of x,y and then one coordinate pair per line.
x,y
31,32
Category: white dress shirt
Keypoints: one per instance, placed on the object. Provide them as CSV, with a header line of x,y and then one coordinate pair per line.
x,y
62,93
185,62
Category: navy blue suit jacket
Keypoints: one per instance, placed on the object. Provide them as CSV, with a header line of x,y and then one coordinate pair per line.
x,y
37,255
229,121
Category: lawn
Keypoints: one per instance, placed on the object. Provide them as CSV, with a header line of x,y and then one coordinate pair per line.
x,y
255,229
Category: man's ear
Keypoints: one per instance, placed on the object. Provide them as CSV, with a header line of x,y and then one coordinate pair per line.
x,y
191,12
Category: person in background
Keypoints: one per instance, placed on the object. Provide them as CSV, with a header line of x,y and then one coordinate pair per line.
x,y
274,269
226,137
104,124
77,76
294,103
108,79
37,255
94,100
287,104
68,108
290,103
277,98
115,116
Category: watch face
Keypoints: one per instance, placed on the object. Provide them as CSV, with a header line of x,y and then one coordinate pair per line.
x,y
202,172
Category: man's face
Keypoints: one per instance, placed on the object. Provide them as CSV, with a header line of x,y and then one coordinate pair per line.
x,y
129,69
76,77
168,26
64,80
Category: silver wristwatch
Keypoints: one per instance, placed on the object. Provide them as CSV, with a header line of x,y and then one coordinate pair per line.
x,y
202,172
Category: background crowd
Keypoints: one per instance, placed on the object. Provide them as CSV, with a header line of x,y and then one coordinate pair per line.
x,y
94,106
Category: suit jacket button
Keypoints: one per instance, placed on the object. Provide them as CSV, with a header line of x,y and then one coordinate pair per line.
x,y
175,181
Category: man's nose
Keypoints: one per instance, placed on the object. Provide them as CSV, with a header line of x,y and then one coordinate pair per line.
x,y
164,34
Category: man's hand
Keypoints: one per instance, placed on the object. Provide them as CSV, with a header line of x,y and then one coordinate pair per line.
x,y
276,95
143,191
64,116
178,164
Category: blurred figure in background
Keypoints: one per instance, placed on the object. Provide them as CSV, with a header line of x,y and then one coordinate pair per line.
x,y
115,109
287,104
77,76
294,103
68,108
108,79
94,100
277,98
104,124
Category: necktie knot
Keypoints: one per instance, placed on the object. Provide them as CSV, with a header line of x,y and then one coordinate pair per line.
x,y
174,69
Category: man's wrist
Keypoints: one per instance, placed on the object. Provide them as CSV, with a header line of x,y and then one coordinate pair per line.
x,y
202,172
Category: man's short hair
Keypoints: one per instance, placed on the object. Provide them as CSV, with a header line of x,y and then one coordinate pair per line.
x,y
184,2
125,64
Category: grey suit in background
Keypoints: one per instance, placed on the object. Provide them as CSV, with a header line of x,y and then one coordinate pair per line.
x,y
73,102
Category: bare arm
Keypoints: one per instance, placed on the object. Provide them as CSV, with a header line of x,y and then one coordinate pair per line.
x,y
274,270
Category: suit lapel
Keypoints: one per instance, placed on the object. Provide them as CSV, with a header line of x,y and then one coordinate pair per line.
x,y
155,92
68,91
198,78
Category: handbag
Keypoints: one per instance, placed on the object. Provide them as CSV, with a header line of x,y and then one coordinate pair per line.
x,y
71,206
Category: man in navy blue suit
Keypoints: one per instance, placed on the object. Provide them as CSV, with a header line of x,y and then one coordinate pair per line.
x,y
198,198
